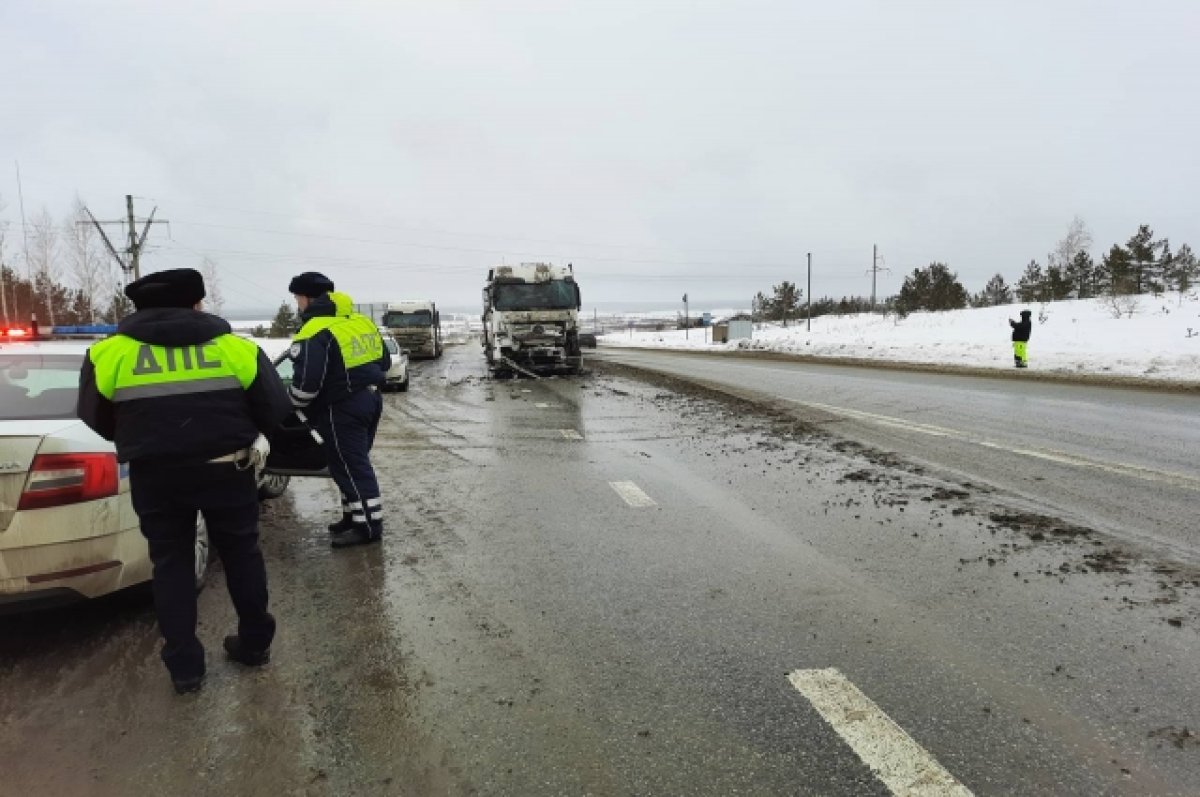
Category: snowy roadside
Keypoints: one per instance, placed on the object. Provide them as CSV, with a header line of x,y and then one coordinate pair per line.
x,y
273,347
1160,341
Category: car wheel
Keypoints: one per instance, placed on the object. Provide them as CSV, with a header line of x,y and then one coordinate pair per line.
x,y
203,551
403,386
272,485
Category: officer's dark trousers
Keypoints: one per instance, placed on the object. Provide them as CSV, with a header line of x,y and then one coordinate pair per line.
x,y
166,500
348,428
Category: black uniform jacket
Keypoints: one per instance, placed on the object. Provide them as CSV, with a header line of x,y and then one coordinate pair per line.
x,y
1021,329
320,376
190,428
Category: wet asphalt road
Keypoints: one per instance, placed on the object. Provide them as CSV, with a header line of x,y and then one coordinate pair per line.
x,y
1121,461
525,630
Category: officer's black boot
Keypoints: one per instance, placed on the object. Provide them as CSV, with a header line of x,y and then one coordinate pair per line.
x,y
185,685
242,654
358,534
345,524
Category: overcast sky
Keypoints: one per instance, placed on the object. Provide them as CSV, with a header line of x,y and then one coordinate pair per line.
x,y
404,147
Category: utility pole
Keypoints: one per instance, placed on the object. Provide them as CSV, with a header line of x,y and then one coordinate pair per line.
x,y
131,263
875,269
809,313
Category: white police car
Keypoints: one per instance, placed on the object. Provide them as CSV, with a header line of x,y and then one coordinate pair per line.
x,y
397,375
67,525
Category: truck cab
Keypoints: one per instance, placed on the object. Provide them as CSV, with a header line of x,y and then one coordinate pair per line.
x,y
416,325
531,319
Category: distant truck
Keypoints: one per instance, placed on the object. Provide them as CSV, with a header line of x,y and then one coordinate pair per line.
x,y
531,319
417,327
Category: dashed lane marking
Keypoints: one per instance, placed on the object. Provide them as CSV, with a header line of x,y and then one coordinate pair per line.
x,y
632,494
1133,471
905,767
570,434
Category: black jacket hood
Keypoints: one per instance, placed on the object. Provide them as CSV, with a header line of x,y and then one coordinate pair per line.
x,y
173,326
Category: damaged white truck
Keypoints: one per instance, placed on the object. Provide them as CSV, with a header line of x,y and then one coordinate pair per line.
x,y
531,320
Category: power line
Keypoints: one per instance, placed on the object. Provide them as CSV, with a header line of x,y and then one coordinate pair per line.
x,y
499,236
409,267
475,250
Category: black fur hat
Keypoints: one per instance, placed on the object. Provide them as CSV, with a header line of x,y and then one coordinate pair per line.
x,y
175,287
311,284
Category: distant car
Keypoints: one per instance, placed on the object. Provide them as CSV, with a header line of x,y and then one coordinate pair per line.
x,y
587,340
397,375
67,526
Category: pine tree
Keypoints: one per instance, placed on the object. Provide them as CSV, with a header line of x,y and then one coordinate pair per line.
x,y
935,287
1117,275
1057,286
784,302
285,323
1032,285
1141,247
1081,273
1183,270
996,292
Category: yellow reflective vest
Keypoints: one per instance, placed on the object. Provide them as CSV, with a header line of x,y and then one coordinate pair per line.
x,y
357,336
128,369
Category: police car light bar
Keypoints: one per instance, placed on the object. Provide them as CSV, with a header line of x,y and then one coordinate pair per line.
x,y
85,329
75,331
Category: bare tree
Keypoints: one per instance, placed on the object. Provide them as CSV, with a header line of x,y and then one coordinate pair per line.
x,y
4,316
89,265
212,285
44,258
1064,257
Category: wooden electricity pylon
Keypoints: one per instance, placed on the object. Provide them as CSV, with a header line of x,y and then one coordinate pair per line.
x,y
131,263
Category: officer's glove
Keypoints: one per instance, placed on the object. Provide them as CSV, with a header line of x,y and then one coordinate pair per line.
x,y
260,449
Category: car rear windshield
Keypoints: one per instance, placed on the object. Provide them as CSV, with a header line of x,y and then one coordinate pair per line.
x,y
38,386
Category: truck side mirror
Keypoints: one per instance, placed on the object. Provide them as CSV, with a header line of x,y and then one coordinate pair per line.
x,y
578,299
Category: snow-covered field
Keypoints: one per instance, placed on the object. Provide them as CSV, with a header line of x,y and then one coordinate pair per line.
x,y
1160,340
273,347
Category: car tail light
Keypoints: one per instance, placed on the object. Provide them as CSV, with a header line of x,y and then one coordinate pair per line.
x,y
57,479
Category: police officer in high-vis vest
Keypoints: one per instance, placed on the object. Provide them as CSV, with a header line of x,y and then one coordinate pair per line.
x,y
339,364
185,402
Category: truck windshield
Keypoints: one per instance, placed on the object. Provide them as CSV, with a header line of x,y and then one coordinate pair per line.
x,y
553,295
38,386
419,318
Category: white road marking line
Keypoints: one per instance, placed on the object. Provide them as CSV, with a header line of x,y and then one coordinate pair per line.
x,y
632,494
570,434
541,405
1061,457
893,756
